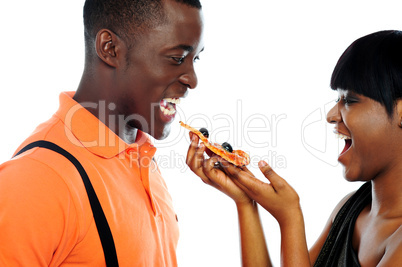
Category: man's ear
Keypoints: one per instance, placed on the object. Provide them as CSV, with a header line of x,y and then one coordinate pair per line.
x,y
107,46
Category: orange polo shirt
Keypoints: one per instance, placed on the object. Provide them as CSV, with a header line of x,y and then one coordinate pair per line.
x,y
45,216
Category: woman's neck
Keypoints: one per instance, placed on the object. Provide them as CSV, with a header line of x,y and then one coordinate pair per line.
x,y
387,193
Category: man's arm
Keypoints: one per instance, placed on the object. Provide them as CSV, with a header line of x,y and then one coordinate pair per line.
x,y
37,217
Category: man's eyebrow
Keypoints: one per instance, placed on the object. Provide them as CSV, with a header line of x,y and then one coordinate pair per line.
x,y
187,48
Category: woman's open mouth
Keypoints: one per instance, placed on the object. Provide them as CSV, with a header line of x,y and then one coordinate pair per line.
x,y
348,142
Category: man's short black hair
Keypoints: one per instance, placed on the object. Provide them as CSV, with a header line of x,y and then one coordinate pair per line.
x,y
372,66
124,17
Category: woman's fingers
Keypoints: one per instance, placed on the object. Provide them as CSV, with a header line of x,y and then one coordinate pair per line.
x,y
245,180
195,157
193,147
210,165
277,182
277,197
211,172
210,169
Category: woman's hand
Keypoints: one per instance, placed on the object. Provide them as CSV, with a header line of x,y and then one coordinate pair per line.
x,y
282,201
277,197
210,172
253,246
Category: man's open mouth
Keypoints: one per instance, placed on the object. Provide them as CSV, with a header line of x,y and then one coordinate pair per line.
x,y
168,105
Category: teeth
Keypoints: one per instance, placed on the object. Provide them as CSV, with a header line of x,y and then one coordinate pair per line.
x,y
342,136
167,111
170,109
173,100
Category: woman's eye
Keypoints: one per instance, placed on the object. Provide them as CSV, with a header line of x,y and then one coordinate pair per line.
x,y
347,100
196,58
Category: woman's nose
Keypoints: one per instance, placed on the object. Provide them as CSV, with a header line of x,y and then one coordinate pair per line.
x,y
334,116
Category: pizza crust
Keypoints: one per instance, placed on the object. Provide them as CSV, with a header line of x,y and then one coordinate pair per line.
x,y
237,157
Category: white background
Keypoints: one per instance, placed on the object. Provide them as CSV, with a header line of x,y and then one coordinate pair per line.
x,y
266,66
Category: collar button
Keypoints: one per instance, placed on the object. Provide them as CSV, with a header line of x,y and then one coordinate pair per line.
x,y
131,150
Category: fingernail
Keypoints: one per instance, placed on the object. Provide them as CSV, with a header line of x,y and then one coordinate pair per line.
x,y
262,164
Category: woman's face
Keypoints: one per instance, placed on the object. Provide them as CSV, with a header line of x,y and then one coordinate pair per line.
x,y
372,138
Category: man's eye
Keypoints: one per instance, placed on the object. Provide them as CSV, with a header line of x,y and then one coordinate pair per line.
x,y
178,60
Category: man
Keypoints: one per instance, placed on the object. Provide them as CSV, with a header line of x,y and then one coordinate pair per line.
x,y
139,62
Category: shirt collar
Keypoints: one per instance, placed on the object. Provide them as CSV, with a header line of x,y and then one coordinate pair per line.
x,y
82,128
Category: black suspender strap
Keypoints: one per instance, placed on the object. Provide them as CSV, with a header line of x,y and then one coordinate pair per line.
x,y
104,232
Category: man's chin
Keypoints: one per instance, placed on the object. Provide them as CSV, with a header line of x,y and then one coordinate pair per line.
x,y
161,133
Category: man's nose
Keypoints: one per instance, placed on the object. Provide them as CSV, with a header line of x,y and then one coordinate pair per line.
x,y
189,78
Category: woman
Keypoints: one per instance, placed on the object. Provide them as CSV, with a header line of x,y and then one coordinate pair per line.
x,y
365,228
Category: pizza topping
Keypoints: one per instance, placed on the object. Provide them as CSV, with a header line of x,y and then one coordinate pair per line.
x,y
204,132
236,157
227,147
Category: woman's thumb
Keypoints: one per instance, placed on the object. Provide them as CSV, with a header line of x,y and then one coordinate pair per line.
x,y
269,173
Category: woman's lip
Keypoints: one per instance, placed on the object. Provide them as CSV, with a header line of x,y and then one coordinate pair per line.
x,y
346,149
348,145
346,136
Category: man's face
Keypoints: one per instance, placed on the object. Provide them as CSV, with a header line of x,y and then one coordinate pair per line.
x,y
160,70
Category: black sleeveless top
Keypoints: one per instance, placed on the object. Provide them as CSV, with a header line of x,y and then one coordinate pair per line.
x,y
337,250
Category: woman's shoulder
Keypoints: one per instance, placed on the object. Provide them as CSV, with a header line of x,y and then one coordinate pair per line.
x,y
362,195
340,204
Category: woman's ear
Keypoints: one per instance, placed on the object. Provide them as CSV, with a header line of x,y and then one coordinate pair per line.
x,y
399,111
107,47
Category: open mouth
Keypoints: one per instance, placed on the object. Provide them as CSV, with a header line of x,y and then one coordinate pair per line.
x,y
348,141
168,106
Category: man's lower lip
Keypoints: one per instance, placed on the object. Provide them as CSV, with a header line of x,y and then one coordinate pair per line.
x,y
167,118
